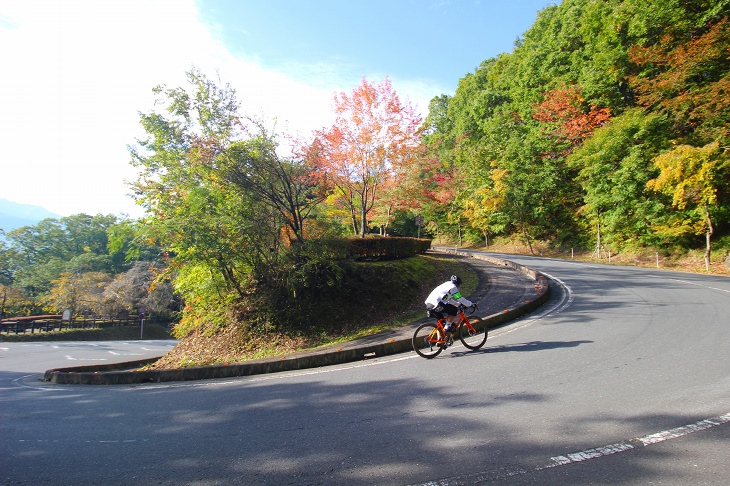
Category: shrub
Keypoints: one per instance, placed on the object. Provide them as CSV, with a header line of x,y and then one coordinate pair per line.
x,y
387,248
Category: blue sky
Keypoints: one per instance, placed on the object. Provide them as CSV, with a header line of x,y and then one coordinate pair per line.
x,y
436,41
77,73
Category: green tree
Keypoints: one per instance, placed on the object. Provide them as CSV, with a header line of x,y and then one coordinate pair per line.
x,y
41,253
194,214
228,211
7,259
613,168
289,188
128,242
517,127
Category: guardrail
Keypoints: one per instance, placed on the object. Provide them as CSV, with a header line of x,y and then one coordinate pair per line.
x,y
51,323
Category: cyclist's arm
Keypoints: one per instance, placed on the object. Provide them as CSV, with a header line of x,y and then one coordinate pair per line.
x,y
457,298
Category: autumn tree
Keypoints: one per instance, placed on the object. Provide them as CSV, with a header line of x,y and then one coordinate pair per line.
x,y
374,133
567,117
686,75
693,176
78,292
483,209
14,302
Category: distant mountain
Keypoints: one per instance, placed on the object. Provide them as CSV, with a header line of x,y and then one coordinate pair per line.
x,y
14,215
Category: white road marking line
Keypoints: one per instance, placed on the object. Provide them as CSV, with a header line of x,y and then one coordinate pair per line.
x,y
582,456
645,441
19,382
54,441
690,283
682,431
71,358
566,302
588,454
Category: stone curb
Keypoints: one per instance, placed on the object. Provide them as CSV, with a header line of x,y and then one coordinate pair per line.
x,y
125,373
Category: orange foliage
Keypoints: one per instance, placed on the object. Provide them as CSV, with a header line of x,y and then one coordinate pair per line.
x,y
688,80
372,139
566,108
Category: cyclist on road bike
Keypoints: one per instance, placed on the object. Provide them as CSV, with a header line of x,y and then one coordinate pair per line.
x,y
444,299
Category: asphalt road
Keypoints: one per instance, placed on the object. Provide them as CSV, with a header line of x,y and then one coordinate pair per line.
x,y
37,357
623,377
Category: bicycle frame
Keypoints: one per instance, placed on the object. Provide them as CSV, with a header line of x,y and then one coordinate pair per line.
x,y
460,320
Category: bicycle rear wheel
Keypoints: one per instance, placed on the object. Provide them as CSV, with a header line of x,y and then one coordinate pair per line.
x,y
473,336
426,341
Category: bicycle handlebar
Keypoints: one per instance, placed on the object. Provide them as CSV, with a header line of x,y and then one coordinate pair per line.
x,y
473,308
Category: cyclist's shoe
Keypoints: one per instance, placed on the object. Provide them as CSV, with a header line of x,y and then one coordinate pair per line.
x,y
448,341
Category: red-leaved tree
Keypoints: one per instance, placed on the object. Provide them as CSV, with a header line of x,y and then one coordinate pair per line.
x,y
572,118
373,136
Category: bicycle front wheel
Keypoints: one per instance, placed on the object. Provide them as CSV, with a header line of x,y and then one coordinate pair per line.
x,y
428,341
473,336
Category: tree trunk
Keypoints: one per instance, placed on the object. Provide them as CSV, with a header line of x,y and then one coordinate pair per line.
x,y
523,225
355,229
527,238
363,222
708,237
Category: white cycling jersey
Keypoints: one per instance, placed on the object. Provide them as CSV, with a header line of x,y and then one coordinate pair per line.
x,y
447,293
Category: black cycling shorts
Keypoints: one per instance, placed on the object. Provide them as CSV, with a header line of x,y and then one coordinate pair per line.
x,y
444,309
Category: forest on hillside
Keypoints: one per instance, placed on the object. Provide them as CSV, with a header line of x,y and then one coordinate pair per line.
x,y
605,129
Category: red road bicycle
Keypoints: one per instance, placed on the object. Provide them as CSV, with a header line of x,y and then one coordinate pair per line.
x,y
430,339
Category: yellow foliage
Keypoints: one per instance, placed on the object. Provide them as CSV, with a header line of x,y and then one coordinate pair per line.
x,y
498,176
689,174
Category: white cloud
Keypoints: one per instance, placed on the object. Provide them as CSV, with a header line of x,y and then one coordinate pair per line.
x,y
76,74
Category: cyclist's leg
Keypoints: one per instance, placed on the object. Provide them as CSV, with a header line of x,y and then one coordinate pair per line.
x,y
451,313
